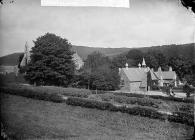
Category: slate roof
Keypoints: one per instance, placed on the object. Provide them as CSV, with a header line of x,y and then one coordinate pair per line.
x,y
138,74
135,74
166,75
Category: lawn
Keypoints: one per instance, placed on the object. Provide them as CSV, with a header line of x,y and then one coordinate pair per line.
x,y
26,118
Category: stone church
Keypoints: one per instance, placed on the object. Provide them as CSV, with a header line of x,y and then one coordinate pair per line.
x,y
142,78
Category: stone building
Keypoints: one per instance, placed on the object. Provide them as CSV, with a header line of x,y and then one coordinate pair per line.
x,y
142,78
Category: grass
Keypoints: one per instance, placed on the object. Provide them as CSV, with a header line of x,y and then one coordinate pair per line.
x,y
25,118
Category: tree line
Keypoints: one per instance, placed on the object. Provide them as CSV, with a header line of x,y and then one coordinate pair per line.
x,y
51,64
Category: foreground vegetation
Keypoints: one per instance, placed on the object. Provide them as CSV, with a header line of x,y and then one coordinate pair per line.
x,y
27,118
143,106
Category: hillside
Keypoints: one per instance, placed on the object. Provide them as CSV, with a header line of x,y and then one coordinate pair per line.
x,y
10,60
187,50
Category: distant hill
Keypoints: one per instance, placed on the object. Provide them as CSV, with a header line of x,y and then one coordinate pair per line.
x,y
186,50
10,60
84,51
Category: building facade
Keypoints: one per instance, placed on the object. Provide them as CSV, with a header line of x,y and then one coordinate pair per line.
x,y
143,78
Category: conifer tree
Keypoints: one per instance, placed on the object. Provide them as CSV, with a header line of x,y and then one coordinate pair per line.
x,y
51,61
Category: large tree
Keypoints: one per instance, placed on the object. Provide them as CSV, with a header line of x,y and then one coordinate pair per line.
x,y
182,66
135,55
98,73
51,61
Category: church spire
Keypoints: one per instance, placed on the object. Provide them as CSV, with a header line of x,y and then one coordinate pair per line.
x,y
143,63
26,57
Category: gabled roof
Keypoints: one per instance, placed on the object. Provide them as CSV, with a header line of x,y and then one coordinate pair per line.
x,y
153,75
134,74
165,74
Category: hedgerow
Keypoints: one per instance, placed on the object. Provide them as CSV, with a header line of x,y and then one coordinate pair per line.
x,y
32,94
184,100
130,100
181,117
145,112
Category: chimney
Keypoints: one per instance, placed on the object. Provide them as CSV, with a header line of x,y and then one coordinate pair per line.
x,y
126,65
170,68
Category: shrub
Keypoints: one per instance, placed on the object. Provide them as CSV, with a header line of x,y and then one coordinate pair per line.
x,y
33,94
130,100
182,117
188,108
145,112
88,103
129,94
185,100
98,92
76,92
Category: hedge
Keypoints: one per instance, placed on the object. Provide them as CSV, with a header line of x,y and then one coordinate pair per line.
x,y
132,100
181,117
74,92
146,112
188,108
178,117
129,94
185,100
32,94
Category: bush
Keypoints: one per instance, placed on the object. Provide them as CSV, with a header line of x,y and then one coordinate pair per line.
x,y
181,117
145,112
32,94
129,94
76,92
130,100
188,108
185,100
88,103
98,92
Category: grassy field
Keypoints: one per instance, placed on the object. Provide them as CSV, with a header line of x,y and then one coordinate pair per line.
x,y
29,119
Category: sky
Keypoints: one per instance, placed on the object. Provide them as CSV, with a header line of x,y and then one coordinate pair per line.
x,y
145,23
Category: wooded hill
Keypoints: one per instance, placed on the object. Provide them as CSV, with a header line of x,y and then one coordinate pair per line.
x,y
186,50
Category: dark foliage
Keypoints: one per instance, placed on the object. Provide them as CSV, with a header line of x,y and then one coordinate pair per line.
x,y
178,117
98,74
32,94
130,100
181,117
135,55
145,112
184,100
188,89
51,61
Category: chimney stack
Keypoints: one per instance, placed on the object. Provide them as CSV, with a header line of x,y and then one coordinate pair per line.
x,y
170,68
